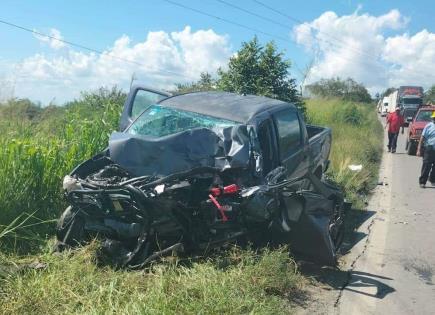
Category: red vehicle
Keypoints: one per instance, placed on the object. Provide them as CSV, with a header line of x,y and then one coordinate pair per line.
x,y
421,119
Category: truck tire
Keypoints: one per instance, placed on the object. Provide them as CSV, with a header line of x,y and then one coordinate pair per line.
x,y
411,148
70,227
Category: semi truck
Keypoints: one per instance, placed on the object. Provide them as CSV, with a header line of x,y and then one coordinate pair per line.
x,y
410,98
384,106
392,101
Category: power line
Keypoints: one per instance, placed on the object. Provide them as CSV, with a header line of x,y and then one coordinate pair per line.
x,y
226,20
248,27
283,39
99,52
297,21
254,14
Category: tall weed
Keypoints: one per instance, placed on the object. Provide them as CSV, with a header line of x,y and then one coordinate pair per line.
x,y
33,163
356,139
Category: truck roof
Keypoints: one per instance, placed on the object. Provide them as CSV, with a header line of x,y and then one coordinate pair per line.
x,y
231,106
427,107
411,90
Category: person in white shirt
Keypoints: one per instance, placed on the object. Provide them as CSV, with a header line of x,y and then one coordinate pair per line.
x,y
427,140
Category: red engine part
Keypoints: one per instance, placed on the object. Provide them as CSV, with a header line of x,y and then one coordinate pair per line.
x,y
227,190
219,207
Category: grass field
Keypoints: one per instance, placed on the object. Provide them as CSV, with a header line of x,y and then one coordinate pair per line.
x,y
357,138
38,153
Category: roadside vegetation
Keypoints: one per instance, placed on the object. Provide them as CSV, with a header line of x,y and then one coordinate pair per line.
x,y
38,151
357,138
41,145
238,282
33,280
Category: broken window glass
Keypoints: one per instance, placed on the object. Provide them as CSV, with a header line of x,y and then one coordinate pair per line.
x,y
159,121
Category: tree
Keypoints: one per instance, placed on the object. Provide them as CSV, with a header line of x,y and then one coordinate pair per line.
x,y
347,89
388,91
21,109
205,83
429,95
259,70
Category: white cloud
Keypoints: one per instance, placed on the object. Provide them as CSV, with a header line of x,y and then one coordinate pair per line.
x,y
412,58
54,38
160,60
360,46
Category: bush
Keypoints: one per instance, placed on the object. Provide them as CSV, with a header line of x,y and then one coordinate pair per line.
x,y
348,90
348,113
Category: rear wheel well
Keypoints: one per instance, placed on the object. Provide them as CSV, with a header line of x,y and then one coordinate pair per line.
x,y
318,172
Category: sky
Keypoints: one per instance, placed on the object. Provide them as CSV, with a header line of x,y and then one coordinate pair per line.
x,y
163,42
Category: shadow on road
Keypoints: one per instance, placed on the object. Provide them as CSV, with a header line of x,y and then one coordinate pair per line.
x,y
356,281
354,219
352,280
367,280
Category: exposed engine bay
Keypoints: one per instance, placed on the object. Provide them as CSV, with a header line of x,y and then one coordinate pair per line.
x,y
142,218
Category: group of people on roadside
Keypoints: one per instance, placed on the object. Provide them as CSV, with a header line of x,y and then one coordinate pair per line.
x,y
426,145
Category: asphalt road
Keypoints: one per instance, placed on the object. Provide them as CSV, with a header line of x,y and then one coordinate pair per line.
x,y
393,265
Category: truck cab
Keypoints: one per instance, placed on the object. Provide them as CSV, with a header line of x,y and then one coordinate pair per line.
x,y
410,100
284,138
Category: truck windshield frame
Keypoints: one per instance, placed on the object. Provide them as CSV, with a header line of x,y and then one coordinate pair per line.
x,y
424,115
159,121
412,101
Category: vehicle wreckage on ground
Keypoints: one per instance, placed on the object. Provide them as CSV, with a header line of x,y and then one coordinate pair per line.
x,y
195,171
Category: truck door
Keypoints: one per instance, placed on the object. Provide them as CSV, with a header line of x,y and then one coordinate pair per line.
x,y
268,145
292,147
137,101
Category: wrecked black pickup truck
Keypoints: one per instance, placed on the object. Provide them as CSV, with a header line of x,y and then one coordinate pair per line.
x,y
191,172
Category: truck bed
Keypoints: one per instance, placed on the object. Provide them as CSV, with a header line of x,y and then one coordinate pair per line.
x,y
319,139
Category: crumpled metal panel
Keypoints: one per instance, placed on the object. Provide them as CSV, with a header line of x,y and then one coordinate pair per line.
x,y
140,155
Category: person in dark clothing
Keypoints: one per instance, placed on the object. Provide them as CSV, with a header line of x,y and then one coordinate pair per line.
x,y
394,122
427,141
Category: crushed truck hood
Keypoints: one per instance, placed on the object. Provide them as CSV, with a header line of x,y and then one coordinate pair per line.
x,y
221,148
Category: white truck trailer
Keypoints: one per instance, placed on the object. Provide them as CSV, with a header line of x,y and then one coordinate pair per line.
x,y
384,106
392,102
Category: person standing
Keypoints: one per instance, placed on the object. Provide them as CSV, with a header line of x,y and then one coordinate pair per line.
x,y
394,122
427,141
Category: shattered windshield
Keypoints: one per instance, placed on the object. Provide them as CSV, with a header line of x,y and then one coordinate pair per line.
x,y
424,115
159,121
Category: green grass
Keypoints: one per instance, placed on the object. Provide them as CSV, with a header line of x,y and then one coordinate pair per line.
x,y
33,161
239,282
35,157
357,138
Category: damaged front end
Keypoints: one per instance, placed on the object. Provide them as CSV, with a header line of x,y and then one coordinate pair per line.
x,y
142,218
190,191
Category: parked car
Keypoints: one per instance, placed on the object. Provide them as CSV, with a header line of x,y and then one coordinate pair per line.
x,y
194,171
421,119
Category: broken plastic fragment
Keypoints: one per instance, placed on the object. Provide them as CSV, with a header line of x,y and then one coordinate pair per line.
x,y
160,189
355,168
71,183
